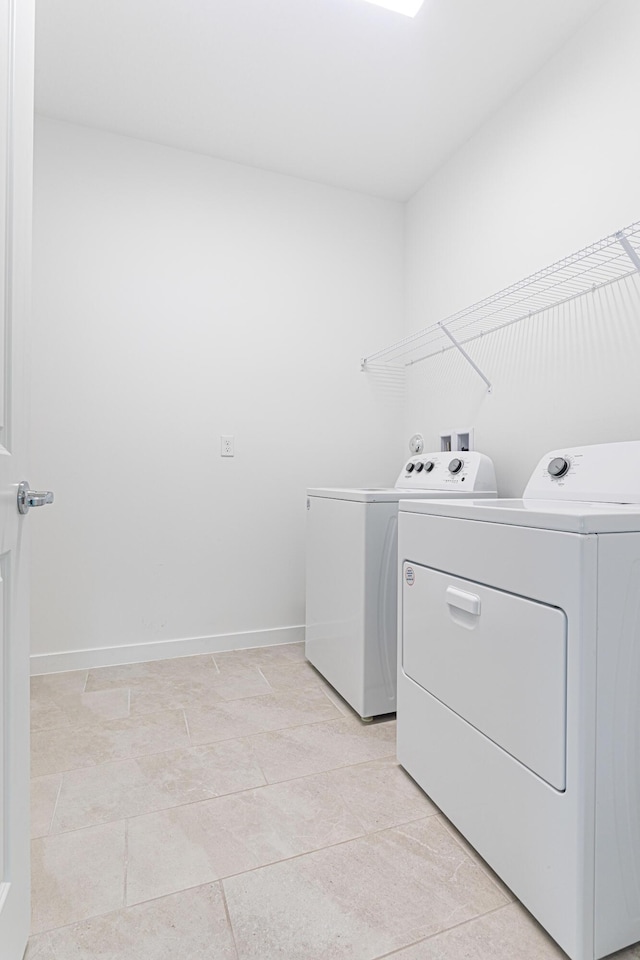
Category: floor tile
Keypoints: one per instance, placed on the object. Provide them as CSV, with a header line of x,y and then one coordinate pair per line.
x,y
50,685
191,925
131,674
211,770
290,651
381,794
293,675
64,748
139,736
44,796
239,718
54,751
346,708
239,680
129,788
104,793
79,709
156,694
168,852
159,685
47,714
505,934
359,900
40,948
317,747
325,847
277,653
217,838
77,875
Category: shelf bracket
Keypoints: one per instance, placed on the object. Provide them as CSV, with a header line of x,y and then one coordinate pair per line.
x,y
466,355
628,249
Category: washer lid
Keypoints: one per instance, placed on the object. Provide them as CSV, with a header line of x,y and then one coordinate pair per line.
x,y
567,515
380,494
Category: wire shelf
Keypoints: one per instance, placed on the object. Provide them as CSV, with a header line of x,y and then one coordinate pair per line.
x,y
605,262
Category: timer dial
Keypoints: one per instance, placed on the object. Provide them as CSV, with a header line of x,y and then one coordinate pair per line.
x,y
558,466
455,466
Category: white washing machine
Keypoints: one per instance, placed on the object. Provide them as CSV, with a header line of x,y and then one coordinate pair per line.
x,y
352,573
519,685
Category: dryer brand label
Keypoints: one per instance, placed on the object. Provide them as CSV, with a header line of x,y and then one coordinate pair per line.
x,y
409,576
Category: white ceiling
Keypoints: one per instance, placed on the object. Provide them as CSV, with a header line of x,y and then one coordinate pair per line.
x,y
338,91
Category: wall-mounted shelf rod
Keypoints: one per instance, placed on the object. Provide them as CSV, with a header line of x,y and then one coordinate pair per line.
x,y
465,355
628,249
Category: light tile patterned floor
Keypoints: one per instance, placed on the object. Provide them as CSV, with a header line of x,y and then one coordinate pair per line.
x,y
234,808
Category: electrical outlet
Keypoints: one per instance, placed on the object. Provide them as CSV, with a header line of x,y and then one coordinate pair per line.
x,y
227,446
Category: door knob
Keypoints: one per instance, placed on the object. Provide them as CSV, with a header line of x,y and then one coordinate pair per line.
x,y
32,498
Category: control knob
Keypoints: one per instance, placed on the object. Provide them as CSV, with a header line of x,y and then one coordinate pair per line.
x,y
419,466
429,465
455,466
409,467
558,466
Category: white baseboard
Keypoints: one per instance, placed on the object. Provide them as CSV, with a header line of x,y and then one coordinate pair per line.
x,y
161,650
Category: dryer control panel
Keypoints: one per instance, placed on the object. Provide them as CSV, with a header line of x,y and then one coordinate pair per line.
x,y
600,473
463,470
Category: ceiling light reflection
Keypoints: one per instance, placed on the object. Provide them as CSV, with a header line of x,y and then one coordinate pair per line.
x,y
407,7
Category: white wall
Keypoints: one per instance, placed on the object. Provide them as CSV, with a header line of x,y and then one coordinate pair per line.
x,y
178,298
557,168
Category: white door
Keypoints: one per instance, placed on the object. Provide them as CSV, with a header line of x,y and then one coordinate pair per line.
x,y
16,136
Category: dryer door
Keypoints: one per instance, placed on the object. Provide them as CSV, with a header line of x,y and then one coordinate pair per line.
x,y
498,660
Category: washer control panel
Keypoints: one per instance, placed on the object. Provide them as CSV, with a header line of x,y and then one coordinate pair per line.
x,y
601,473
440,471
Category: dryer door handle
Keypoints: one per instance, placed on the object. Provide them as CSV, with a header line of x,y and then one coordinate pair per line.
x,y
468,602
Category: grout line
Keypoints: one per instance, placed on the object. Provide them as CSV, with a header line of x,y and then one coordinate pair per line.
x,y
256,787
446,930
186,723
215,743
132,906
356,839
220,880
101,721
253,789
228,916
336,703
307,853
272,689
258,765
55,806
126,862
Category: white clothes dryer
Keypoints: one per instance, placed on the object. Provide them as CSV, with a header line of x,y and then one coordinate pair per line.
x,y
351,567
519,685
